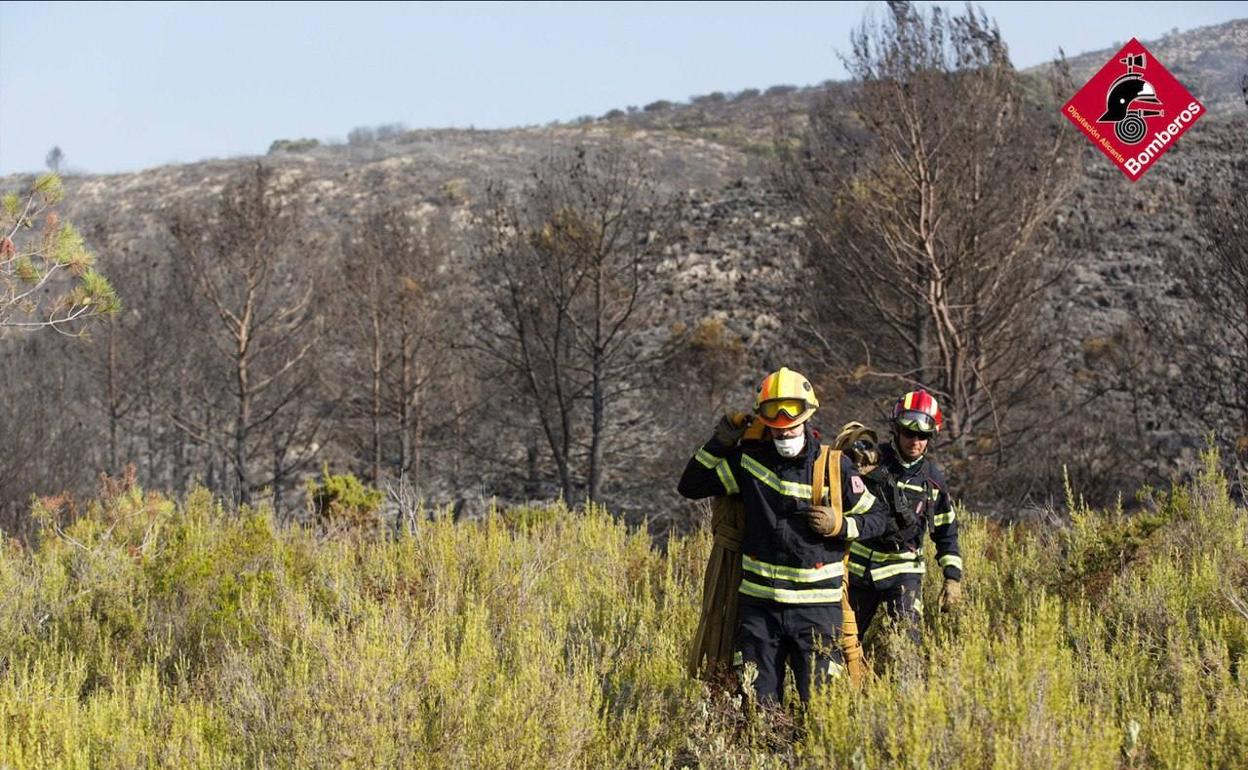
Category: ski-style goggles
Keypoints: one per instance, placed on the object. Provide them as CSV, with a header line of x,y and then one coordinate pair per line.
x,y
791,408
919,423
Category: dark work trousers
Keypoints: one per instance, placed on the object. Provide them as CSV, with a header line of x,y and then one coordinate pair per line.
x,y
806,636
900,597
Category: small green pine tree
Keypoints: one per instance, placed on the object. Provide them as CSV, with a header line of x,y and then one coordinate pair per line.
x,y
39,252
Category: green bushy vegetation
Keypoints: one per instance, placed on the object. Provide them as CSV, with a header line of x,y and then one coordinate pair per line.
x,y
145,633
343,501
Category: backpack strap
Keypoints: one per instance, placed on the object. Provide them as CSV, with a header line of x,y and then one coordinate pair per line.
x,y
833,470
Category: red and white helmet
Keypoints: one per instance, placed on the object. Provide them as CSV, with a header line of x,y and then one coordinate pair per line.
x,y
919,412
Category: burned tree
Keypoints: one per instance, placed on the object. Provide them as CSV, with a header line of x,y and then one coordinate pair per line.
x,y
572,274
928,211
253,397
398,322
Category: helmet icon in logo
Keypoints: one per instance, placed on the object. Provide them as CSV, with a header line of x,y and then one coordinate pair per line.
x,y
1127,100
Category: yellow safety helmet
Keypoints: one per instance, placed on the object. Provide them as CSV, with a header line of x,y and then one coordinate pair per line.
x,y
785,398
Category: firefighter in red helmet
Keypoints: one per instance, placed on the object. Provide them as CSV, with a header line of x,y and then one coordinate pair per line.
x,y
887,572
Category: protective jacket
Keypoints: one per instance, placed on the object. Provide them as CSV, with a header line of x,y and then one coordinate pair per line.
x,y
783,560
918,497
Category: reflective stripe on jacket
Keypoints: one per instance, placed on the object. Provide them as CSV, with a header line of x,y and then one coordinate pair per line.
x,y
922,485
783,560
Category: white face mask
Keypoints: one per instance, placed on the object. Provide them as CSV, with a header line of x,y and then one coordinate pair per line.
x,y
791,447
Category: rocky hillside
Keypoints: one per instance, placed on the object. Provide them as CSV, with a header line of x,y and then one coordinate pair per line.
x,y
713,151
1211,62
740,243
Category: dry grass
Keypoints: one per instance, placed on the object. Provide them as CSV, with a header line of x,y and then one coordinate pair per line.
x,y
149,634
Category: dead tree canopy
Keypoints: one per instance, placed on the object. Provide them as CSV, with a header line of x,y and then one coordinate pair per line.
x,y
395,319
571,272
928,219
243,272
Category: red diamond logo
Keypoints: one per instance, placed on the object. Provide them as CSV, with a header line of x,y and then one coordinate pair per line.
x,y
1133,110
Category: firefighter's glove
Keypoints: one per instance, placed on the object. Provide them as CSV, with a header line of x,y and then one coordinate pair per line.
x,y
728,431
950,595
825,520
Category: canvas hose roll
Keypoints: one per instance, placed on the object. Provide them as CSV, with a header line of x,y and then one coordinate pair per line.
x,y
711,654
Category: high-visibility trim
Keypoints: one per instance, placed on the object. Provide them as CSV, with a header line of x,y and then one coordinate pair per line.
x,y
708,460
858,549
768,477
943,519
856,569
950,560
794,574
851,528
880,573
863,505
932,494
789,596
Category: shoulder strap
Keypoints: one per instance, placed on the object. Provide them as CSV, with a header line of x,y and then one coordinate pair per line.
x,y
833,470
826,484
755,431
818,476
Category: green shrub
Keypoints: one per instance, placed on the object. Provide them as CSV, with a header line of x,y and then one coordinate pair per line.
x,y
343,501
149,634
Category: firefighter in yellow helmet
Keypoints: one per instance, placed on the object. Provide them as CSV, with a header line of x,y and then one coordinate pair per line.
x,y
793,547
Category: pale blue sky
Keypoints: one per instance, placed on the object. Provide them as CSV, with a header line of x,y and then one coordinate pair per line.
x,y
123,86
